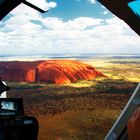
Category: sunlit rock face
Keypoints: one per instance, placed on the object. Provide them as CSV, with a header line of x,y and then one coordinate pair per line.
x,y
50,71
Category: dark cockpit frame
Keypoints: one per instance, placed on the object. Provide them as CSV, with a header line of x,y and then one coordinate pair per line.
x,y
121,9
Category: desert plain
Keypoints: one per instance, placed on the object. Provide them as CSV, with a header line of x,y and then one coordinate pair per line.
x,y
83,110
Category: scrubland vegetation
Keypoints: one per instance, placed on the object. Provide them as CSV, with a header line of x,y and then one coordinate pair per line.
x,y
84,110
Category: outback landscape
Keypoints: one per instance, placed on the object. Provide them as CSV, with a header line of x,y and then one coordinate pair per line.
x,y
84,109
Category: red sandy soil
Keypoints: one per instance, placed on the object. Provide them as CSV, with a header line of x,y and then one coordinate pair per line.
x,y
50,71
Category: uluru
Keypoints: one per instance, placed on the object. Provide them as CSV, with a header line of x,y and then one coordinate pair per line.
x,y
49,71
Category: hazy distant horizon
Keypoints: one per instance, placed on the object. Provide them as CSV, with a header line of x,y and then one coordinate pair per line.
x,y
27,54
80,56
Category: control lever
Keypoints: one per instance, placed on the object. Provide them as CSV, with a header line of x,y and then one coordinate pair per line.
x,y
3,87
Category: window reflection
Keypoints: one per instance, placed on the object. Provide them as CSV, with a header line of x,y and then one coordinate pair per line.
x,y
135,7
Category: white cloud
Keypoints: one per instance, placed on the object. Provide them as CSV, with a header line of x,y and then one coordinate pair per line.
x,y
51,5
80,23
92,1
53,35
103,7
105,12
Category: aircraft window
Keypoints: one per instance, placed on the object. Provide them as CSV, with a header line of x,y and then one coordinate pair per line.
x,y
74,30
135,7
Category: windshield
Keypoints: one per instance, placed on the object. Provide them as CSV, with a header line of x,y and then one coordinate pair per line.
x,y
75,66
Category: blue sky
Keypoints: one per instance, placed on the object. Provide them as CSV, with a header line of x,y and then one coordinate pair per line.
x,y
70,9
70,26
